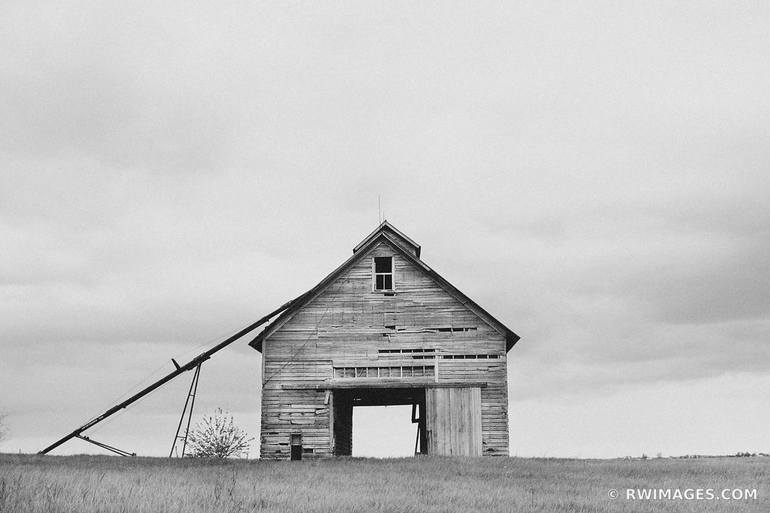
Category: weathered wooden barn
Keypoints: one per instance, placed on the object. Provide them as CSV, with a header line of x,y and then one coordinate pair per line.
x,y
384,329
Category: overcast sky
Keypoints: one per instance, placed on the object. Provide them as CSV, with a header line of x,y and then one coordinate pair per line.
x,y
594,174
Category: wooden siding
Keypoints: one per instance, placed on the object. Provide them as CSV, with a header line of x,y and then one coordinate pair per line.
x,y
350,325
454,421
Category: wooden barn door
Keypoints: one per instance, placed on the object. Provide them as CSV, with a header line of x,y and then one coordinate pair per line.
x,y
453,421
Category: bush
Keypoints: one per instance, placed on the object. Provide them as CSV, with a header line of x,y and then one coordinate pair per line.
x,y
217,436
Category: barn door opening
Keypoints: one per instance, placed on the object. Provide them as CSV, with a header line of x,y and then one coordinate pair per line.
x,y
379,423
383,432
453,419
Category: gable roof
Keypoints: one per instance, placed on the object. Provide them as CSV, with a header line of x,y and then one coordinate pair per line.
x,y
385,226
409,250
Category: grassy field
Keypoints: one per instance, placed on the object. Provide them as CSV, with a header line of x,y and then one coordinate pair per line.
x,y
51,484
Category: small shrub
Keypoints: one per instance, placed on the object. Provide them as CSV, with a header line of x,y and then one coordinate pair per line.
x,y
217,436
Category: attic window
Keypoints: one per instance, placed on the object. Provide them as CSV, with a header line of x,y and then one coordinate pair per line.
x,y
404,371
383,273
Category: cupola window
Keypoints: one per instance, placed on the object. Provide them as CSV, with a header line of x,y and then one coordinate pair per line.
x,y
383,273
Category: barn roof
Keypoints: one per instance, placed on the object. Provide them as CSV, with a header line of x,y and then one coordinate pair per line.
x,y
409,250
386,227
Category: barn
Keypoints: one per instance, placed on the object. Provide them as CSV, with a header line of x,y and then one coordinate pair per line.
x,y
384,329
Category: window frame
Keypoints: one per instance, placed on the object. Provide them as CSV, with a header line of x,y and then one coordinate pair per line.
x,y
392,275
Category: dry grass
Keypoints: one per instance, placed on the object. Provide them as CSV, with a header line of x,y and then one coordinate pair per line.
x,y
51,484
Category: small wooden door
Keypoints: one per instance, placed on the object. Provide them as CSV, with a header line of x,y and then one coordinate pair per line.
x,y
296,447
453,421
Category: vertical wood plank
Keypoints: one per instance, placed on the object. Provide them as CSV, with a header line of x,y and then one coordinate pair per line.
x,y
476,436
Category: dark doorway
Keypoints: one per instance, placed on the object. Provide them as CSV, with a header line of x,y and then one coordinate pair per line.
x,y
296,447
345,400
